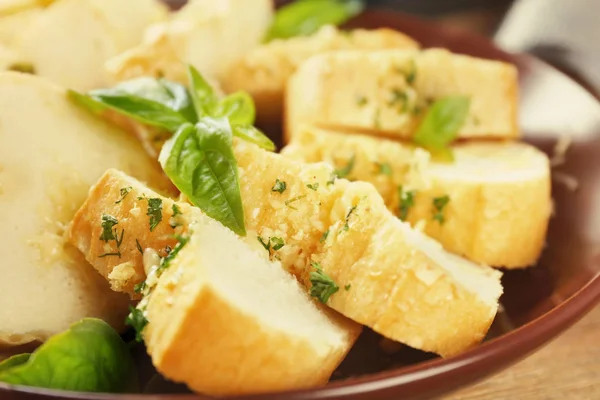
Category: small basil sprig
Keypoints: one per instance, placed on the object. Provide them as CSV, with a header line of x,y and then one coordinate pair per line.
x,y
200,161
441,124
89,357
155,102
304,17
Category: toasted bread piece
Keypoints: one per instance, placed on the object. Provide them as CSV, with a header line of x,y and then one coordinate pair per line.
x,y
90,32
499,192
51,152
264,71
200,34
11,7
346,228
13,24
387,92
226,321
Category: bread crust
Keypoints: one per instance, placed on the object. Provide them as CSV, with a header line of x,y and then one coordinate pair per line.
x,y
387,92
493,221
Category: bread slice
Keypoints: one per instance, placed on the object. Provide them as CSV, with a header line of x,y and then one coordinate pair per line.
x,y
264,71
226,321
399,282
51,152
210,35
89,32
12,7
13,24
387,92
499,192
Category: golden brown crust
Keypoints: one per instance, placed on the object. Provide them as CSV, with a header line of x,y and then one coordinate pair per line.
x,y
387,92
494,222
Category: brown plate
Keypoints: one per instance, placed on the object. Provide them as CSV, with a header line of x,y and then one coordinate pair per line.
x,y
539,303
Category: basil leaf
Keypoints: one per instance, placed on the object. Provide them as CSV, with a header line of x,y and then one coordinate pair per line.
x,y
203,95
238,108
304,17
153,102
200,162
89,357
442,122
14,361
253,135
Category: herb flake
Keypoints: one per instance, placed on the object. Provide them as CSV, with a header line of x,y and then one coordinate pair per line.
x,y
108,223
137,321
322,286
279,186
439,203
289,202
407,201
154,212
384,169
313,186
347,169
123,193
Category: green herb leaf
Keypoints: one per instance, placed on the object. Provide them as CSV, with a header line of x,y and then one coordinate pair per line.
x,y
139,246
324,237
442,123
154,212
346,226
108,222
384,169
439,203
279,186
140,287
277,243
265,243
200,162
289,202
322,286
137,321
176,210
204,98
22,67
89,357
347,170
124,192
253,135
304,17
166,261
238,108
313,186
407,201
347,287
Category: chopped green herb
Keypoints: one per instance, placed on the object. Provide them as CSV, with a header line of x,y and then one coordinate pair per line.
x,y
324,237
124,192
139,246
165,262
279,186
361,101
265,244
154,212
108,222
347,287
277,243
313,186
407,201
118,239
173,221
346,226
176,210
140,287
439,203
399,99
346,170
411,74
25,68
295,199
331,180
137,321
115,254
384,169
322,286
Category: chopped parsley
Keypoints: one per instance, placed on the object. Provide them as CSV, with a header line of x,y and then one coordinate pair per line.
x,y
361,101
322,286
279,186
273,243
384,169
324,237
295,199
265,244
313,186
439,203
399,99
137,321
347,169
23,67
115,254
176,210
165,262
124,192
331,180
411,74
346,226
347,287
140,287
154,212
108,230
139,247
407,201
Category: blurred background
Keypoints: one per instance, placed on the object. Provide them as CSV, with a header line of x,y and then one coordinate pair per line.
x,y
562,32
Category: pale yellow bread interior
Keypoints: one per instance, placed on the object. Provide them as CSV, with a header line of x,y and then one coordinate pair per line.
x,y
499,192
51,152
226,321
387,92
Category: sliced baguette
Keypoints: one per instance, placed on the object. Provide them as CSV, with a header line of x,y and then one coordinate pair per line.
x,y
387,92
200,34
400,283
51,152
90,32
226,321
264,71
500,201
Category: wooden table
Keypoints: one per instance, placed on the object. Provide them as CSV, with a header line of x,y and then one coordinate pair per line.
x,y
568,368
